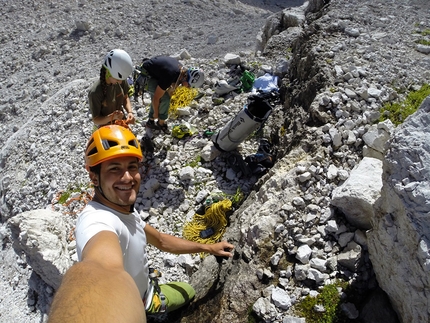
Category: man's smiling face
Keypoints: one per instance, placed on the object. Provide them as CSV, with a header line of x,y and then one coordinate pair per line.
x,y
119,180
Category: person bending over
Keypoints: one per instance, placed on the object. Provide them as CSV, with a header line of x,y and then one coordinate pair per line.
x,y
165,75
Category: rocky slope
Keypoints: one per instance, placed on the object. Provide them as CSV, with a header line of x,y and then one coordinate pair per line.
x,y
51,52
338,63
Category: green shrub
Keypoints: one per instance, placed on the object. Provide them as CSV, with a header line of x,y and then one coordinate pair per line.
x,y
397,112
329,297
424,42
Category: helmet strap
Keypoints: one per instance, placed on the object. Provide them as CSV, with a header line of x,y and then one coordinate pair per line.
x,y
188,75
108,74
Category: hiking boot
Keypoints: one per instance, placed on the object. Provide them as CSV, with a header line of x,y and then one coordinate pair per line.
x,y
163,128
151,125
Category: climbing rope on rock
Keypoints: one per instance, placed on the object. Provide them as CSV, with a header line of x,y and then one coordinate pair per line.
x,y
181,98
210,226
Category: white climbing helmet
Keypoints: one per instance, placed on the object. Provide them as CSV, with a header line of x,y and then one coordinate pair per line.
x,y
196,77
119,64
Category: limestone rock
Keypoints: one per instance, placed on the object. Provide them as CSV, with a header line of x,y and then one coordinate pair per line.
x,y
356,197
400,237
41,235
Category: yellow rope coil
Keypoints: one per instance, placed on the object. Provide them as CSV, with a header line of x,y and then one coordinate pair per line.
x,y
214,217
181,98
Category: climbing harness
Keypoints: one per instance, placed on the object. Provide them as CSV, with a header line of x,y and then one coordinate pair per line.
x,y
158,302
121,122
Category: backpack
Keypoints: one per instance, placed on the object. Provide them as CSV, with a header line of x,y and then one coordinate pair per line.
x,y
247,80
140,80
263,160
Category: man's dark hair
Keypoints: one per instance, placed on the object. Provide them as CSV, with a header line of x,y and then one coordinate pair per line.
x,y
96,169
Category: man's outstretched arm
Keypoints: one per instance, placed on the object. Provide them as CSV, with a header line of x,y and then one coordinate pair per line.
x,y
172,244
98,289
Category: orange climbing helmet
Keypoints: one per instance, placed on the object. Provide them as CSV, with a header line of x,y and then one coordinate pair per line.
x,y
111,142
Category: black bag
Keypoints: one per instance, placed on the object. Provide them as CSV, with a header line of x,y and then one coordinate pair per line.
x,y
263,159
140,80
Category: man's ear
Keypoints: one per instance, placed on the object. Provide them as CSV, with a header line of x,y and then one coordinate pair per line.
x,y
94,178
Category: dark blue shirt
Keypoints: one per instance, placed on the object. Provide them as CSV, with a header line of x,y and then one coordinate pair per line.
x,y
164,69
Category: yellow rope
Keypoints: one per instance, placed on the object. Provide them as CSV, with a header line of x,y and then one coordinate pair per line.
x,y
214,217
181,98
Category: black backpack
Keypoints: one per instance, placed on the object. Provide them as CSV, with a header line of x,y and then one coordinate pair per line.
x,y
140,80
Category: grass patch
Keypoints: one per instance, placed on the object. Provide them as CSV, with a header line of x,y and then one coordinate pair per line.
x,y
329,298
288,53
424,42
252,318
425,32
236,198
255,65
63,198
195,162
397,112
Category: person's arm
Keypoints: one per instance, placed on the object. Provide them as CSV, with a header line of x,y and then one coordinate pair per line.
x,y
130,115
98,289
172,244
127,103
102,120
159,92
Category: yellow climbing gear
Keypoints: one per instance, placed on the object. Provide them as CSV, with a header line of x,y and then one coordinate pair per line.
x,y
130,91
180,131
209,227
182,97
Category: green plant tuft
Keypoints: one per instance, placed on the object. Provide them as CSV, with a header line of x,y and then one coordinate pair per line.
x,y
424,42
251,315
398,112
237,198
69,191
425,32
64,197
329,298
195,162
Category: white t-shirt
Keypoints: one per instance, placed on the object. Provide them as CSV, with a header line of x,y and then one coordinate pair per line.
x,y
128,227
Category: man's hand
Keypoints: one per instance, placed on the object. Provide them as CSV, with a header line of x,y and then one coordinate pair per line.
x,y
222,249
117,115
